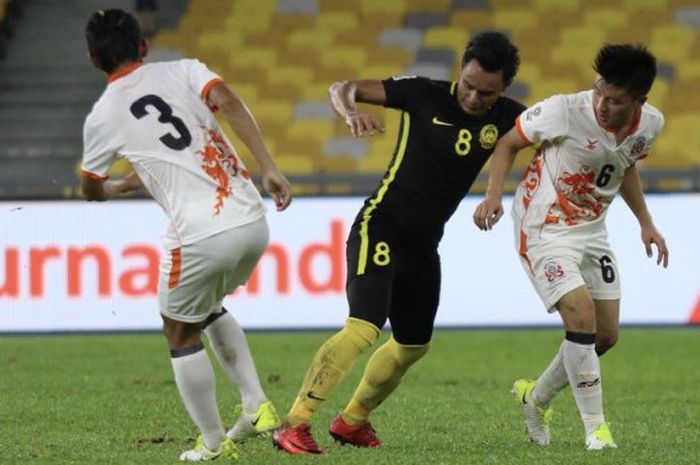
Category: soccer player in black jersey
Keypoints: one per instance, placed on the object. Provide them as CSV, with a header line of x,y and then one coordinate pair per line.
x,y
448,131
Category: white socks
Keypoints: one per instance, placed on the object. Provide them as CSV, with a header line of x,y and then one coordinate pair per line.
x,y
552,380
229,344
583,370
194,377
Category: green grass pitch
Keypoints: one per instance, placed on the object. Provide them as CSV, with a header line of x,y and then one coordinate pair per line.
x,y
111,399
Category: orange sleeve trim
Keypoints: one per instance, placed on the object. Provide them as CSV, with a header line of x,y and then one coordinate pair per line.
x,y
175,267
205,92
94,176
520,131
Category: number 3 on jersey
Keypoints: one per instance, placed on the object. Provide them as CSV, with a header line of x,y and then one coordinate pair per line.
x,y
464,142
139,110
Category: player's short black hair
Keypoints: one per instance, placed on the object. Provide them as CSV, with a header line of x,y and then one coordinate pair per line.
x,y
113,37
494,52
631,67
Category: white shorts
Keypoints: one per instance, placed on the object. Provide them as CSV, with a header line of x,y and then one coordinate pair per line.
x,y
558,265
195,278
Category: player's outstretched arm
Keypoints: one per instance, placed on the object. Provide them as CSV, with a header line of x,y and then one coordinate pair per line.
x,y
490,210
100,190
241,120
344,97
632,194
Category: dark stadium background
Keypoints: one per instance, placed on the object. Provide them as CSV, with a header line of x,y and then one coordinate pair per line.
x,y
281,55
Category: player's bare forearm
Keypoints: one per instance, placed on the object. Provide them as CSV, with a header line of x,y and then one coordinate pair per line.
x,y
124,185
93,191
239,117
342,95
501,162
632,194
241,120
345,94
99,190
490,210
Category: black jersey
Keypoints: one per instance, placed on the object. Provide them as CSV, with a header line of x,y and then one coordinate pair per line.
x,y
439,153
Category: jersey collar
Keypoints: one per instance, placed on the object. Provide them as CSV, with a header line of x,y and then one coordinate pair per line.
x,y
123,71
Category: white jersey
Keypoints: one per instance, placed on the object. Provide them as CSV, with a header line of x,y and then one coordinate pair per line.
x,y
578,167
155,116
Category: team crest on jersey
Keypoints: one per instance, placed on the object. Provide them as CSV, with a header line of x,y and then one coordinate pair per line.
x,y
488,136
535,112
638,146
553,271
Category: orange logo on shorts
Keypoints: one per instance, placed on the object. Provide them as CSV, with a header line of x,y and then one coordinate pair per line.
x,y
552,271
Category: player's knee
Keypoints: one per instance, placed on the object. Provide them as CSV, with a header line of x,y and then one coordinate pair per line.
x,y
577,311
605,342
179,334
407,355
579,320
362,333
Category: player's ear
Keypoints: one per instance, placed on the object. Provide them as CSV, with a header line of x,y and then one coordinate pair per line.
x,y
94,60
143,47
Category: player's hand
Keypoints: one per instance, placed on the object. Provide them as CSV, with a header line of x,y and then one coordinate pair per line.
x,y
362,123
650,235
278,187
488,212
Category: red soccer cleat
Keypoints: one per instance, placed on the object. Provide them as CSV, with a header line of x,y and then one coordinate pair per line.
x,y
357,435
296,440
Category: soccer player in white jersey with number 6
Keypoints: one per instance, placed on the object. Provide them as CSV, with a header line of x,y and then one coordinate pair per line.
x,y
160,118
588,144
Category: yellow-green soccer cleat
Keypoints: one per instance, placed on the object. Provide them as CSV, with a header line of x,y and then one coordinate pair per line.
x,y
536,418
227,450
249,425
600,438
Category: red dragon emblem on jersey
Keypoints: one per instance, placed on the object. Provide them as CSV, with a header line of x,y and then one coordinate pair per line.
x,y
220,162
576,196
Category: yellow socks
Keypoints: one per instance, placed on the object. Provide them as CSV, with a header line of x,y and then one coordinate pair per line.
x,y
332,362
382,376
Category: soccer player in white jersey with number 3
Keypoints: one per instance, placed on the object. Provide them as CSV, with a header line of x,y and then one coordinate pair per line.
x,y
588,144
160,118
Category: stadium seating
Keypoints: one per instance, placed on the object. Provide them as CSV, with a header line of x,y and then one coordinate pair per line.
x,y
282,55
291,50
10,10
